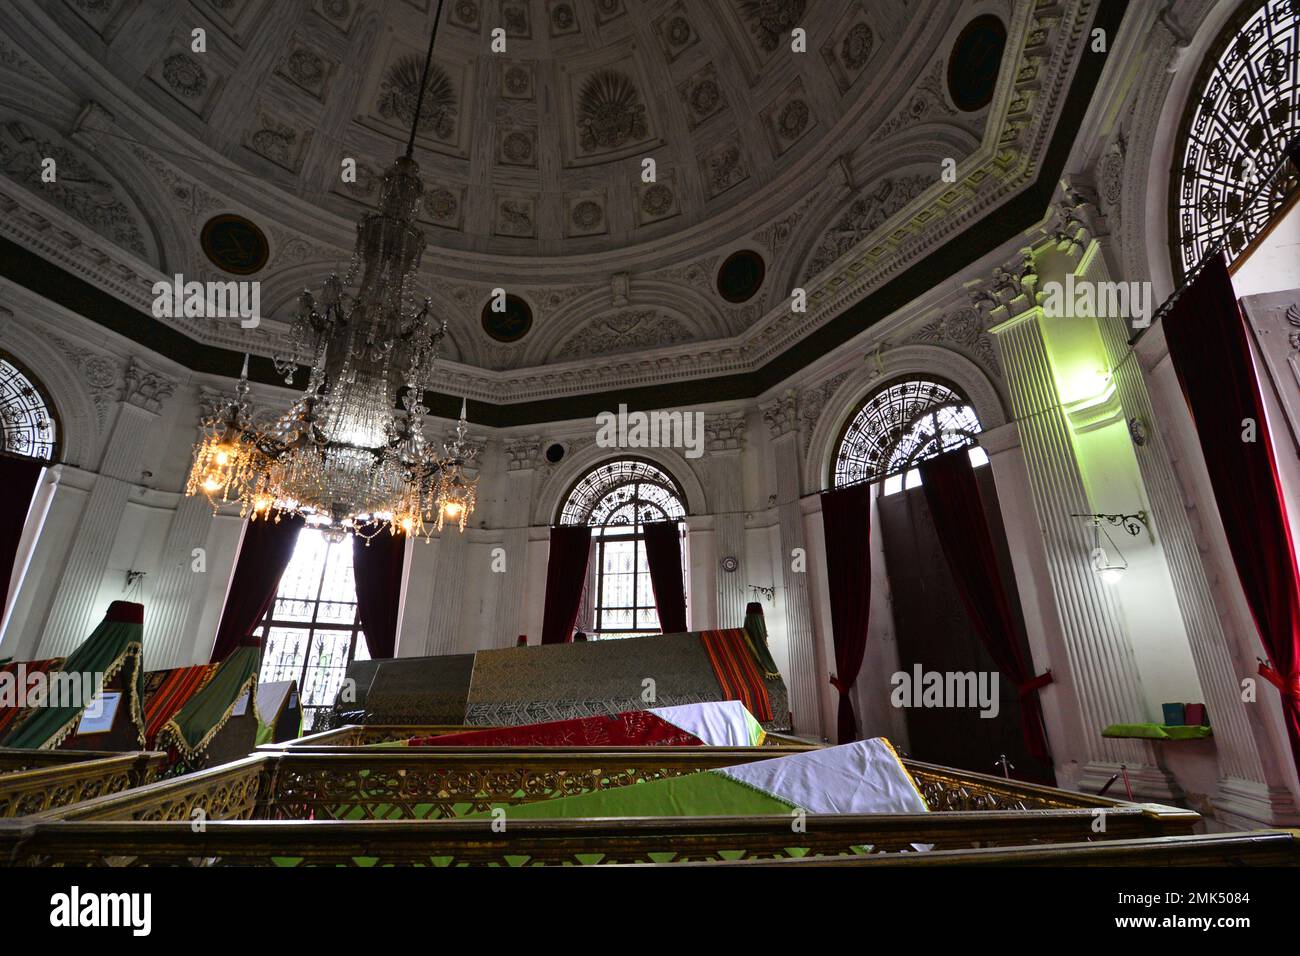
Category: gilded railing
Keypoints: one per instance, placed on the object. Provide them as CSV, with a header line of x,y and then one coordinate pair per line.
x,y
35,842
14,759
401,807
63,784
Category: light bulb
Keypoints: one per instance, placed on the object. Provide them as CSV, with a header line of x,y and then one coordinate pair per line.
x,y
211,483
1112,575
452,509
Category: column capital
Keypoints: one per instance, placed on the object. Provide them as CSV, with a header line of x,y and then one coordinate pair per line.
x,y
780,414
521,454
146,388
725,433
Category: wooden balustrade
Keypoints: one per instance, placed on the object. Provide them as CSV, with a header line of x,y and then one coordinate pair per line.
x,y
14,759
405,807
61,784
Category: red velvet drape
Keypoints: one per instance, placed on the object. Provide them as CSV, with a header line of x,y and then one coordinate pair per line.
x,y
1211,354
846,518
263,556
18,477
663,552
377,567
963,531
566,576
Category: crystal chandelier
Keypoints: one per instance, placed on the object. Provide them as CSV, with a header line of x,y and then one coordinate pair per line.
x,y
350,454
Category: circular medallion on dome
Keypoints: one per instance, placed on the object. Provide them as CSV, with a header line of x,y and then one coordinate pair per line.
x,y
741,275
234,244
974,63
510,325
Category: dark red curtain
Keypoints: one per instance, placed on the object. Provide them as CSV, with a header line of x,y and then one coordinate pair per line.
x,y
377,566
846,518
1211,353
263,556
663,552
566,576
18,477
967,544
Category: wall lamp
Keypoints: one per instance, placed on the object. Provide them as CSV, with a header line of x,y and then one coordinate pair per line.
x,y
1111,569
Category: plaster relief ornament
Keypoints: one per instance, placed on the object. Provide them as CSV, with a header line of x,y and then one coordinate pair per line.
x,y
184,75
772,20
610,112
79,190
400,90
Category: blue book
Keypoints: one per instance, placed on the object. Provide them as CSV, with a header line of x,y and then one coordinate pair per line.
x,y
1175,715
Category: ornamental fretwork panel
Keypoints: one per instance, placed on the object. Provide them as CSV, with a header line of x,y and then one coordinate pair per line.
x,y
26,420
899,425
1244,109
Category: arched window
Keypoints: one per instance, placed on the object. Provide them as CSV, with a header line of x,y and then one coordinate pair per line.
x,y
617,499
1244,108
899,425
311,632
26,415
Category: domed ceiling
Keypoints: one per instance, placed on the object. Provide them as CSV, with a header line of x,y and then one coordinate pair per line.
x,y
232,161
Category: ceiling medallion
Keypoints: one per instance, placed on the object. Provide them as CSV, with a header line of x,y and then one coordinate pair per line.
x,y
350,455
234,244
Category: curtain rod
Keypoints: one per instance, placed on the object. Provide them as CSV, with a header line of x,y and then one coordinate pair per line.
x,y
1290,154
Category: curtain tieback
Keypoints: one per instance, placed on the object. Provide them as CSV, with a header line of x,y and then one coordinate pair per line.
x,y
1034,684
1288,686
838,684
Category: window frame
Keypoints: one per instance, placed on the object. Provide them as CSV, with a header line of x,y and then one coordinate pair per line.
x,y
608,531
311,628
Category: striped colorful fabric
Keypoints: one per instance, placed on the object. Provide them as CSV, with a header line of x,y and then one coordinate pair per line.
x,y
733,664
7,713
167,691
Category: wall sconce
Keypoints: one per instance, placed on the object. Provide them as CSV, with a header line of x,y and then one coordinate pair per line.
x,y
1111,568
769,593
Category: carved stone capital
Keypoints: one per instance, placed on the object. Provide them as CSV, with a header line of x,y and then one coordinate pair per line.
x,y
145,388
781,414
522,453
725,433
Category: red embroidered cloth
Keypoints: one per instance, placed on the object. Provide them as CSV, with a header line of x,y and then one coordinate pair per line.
x,y
632,728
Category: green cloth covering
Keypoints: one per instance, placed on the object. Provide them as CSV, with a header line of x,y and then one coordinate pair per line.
x,y
756,634
204,714
116,643
701,794
1156,731
1188,732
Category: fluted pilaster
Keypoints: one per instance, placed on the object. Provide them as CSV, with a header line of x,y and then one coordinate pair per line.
x,y
1101,666
804,676
166,640
726,442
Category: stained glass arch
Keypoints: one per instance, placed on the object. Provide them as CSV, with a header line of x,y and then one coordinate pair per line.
x,y
1243,110
627,491
900,424
27,418
618,498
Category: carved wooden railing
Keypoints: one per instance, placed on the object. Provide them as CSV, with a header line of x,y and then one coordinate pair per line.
x,y
60,785
14,759
1254,848
399,808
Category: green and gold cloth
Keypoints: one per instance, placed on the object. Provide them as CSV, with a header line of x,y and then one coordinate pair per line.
x,y
204,714
116,644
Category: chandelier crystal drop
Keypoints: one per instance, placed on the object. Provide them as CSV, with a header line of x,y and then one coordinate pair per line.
x,y
351,455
